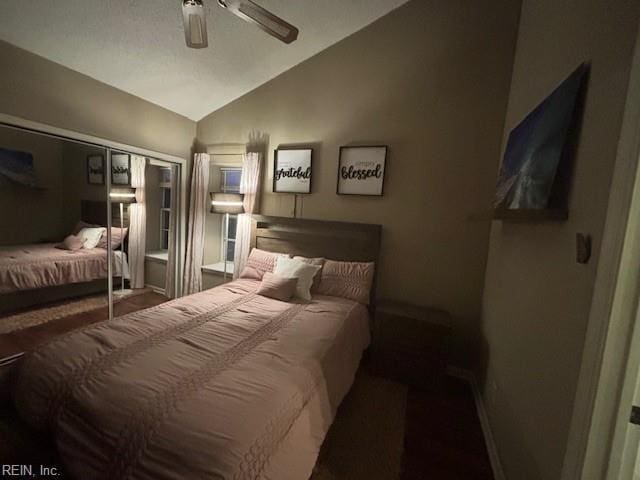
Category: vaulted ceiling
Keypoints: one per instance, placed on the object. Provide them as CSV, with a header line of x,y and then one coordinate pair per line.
x,y
138,45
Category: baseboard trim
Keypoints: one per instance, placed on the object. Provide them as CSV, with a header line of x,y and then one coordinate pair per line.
x,y
155,289
492,449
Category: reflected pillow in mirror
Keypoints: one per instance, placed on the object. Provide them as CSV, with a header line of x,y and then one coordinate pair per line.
x,y
116,238
278,287
304,272
72,242
80,225
90,237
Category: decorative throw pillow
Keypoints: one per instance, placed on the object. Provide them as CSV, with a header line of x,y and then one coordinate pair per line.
x,y
80,225
350,280
259,262
275,286
117,237
318,261
288,267
72,242
90,237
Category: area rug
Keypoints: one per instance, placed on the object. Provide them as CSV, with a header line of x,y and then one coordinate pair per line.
x,y
39,316
366,439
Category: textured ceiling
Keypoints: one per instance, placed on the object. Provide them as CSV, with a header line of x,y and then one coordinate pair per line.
x,y
138,45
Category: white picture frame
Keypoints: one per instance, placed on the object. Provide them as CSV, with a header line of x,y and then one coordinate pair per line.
x,y
292,170
361,170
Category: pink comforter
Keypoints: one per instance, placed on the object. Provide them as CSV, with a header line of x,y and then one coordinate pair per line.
x,y
221,384
26,267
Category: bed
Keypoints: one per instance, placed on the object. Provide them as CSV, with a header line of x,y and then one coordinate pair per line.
x,y
221,384
42,265
39,273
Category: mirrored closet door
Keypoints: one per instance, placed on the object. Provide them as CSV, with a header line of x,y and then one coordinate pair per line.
x,y
85,233
54,265
144,198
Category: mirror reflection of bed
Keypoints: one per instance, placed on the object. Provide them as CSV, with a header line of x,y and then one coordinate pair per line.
x,y
54,256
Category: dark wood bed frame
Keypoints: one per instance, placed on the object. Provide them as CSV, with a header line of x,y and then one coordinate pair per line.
x,y
342,241
94,212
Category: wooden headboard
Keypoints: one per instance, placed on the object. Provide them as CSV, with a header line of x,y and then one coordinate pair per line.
x,y
343,241
95,212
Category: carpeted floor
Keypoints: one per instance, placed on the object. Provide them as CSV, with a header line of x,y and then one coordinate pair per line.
x,y
366,438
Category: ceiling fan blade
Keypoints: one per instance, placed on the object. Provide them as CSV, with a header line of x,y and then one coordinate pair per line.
x,y
264,19
195,23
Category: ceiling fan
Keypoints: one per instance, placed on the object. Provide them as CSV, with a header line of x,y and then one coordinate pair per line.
x,y
195,22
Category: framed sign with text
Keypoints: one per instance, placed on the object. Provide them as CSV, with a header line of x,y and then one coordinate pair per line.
x,y
361,170
292,170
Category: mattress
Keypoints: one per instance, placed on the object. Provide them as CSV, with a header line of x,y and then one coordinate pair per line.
x,y
221,384
27,267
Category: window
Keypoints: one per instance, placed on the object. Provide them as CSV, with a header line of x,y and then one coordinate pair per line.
x,y
230,180
165,209
229,183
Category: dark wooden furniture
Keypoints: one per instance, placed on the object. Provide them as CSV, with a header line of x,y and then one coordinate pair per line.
x,y
410,343
342,241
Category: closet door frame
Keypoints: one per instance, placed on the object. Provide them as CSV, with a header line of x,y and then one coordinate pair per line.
x,y
64,134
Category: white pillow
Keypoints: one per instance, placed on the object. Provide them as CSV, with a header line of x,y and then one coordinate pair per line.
x,y
288,267
90,237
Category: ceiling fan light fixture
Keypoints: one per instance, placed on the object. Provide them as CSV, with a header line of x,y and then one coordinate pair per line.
x,y
195,23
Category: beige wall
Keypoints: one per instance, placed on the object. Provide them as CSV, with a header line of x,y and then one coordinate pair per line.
x,y
431,81
536,300
43,91
32,215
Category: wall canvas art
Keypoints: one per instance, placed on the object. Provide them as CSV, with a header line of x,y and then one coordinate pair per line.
x,y
120,169
361,170
17,167
535,148
292,170
95,169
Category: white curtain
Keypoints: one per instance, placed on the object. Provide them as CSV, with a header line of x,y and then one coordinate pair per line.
x,y
250,187
137,223
195,230
170,276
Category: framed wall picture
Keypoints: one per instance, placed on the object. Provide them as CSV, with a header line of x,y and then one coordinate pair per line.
x,y
292,170
120,169
95,169
361,170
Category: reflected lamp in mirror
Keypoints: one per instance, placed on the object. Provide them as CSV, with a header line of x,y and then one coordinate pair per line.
x,y
230,203
123,195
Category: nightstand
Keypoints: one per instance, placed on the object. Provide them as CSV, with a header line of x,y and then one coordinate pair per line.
x,y
410,343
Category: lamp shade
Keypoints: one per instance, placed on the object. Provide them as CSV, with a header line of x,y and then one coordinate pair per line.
x,y
123,195
226,203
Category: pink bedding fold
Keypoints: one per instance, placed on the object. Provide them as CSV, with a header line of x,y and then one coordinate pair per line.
x,y
27,267
220,384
